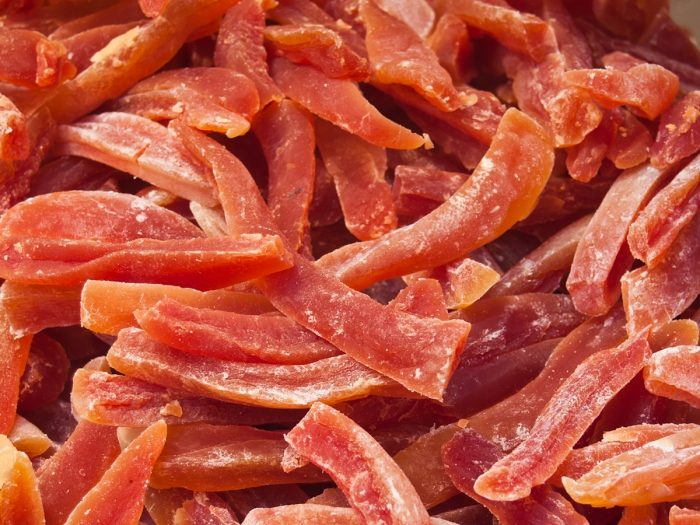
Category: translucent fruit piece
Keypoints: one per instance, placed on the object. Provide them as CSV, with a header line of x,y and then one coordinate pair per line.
x,y
20,502
671,373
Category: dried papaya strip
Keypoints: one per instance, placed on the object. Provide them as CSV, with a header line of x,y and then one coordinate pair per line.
x,y
108,306
75,468
286,386
670,373
29,59
422,297
13,358
287,138
347,319
631,142
14,141
20,501
584,160
657,226
418,190
397,55
113,500
643,515
239,46
419,15
508,422
655,472
210,220
340,101
192,459
69,173
207,263
313,514
82,46
204,509
150,153
32,308
45,373
602,254
467,455
679,133
542,269
572,408
319,46
232,336
658,294
350,455
450,42
115,400
649,88
358,171
28,438
522,32
682,516
132,56
674,333
571,42
162,505
465,281
518,163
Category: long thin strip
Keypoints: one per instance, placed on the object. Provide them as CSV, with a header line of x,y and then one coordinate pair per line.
x,y
20,502
312,514
573,407
113,501
502,190
334,379
671,373
351,456
32,308
679,132
13,358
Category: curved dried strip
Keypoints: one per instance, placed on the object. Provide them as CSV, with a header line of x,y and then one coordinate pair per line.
x,y
657,295
83,45
204,509
397,55
13,358
679,132
232,336
20,501
31,60
69,173
119,13
508,422
312,514
450,43
502,190
162,505
340,101
111,500
631,140
620,61
14,136
418,190
116,400
661,470
207,263
671,373
658,225
28,438
319,46
140,147
467,455
521,32
418,15
204,457
277,386
75,468
45,373
650,88
350,455
674,333
545,265
358,171
466,281
108,306
421,353
32,308
571,41
239,46
94,215
572,408
682,516
286,135
133,56
422,297
602,254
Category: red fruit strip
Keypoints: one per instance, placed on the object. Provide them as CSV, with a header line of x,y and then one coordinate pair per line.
x,y
483,212
14,141
45,373
670,373
276,386
683,516
658,225
232,336
113,500
20,501
602,254
418,190
286,134
13,358
32,308
467,455
349,454
204,509
312,514
75,468
679,132
358,171
116,400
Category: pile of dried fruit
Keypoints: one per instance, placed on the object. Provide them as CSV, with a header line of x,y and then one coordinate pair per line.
x,y
400,262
